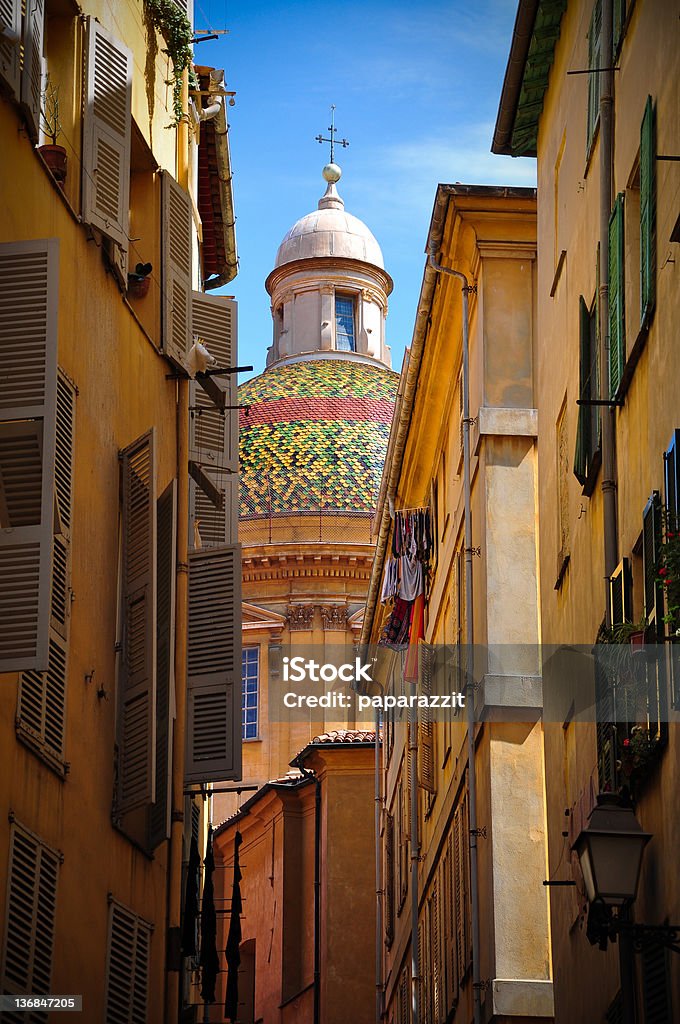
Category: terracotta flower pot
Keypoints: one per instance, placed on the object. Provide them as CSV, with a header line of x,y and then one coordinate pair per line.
x,y
138,287
55,158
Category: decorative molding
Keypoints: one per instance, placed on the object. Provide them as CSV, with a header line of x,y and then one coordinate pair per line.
x,y
333,616
300,616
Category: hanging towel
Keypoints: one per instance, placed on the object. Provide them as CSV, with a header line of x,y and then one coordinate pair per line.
x,y
209,961
233,948
417,633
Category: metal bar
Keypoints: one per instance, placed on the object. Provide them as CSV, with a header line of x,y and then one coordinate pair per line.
x,y
593,71
609,402
220,789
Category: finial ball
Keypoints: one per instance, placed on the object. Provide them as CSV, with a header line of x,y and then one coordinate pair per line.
x,y
332,173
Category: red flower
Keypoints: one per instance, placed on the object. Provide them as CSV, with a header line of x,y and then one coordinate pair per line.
x,y
663,571
626,743
669,534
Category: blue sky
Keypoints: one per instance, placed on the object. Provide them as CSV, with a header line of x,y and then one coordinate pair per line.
x,y
416,88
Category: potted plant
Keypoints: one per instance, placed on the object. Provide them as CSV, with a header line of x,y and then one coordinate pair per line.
x,y
139,281
53,154
668,575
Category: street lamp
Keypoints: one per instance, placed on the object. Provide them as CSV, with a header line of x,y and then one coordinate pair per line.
x,y
610,852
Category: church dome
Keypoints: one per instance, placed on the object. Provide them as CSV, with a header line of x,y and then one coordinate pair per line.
x,y
315,437
330,231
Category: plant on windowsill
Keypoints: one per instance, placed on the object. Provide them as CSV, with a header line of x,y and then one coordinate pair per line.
x,y
639,753
53,154
668,575
627,638
175,28
139,281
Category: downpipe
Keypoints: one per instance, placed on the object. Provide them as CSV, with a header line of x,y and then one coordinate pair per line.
x,y
312,776
469,637
379,891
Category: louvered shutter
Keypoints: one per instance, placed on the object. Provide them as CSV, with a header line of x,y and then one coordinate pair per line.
x,y
106,134
450,918
620,586
217,526
583,439
389,880
30,916
672,482
187,8
137,690
647,212
651,549
435,956
426,656
404,998
32,70
177,235
127,967
619,14
214,666
41,709
459,891
594,51
215,434
10,43
166,532
617,337
422,973
29,283
656,991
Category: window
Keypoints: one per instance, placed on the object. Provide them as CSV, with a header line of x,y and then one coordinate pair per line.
x,y
344,323
30,915
587,457
594,61
127,966
617,297
250,684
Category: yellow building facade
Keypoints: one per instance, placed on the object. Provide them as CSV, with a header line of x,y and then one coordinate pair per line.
x,y
607,314
105,260
457,932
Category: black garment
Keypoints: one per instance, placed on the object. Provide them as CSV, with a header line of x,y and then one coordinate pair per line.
x,y
209,960
191,902
233,948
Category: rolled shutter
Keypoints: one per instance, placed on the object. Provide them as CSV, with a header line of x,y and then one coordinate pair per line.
x,y
32,71
651,549
166,530
617,337
647,212
177,234
214,666
10,42
426,656
137,690
106,134
29,287
214,320
672,482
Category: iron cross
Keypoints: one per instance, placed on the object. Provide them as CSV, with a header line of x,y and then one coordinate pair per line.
x,y
333,132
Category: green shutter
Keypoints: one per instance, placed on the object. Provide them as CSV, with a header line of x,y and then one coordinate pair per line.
x,y
617,337
594,51
647,213
619,12
651,549
583,438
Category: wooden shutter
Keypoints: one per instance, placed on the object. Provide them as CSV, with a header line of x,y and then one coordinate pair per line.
x,y
437,1000
404,1015
137,689
32,70
10,43
217,525
41,710
29,284
426,655
583,439
389,880
214,666
127,967
619,15
166,537
656,991
651,549
459,892
30,915
177,237
106,134
672,482
647,212
594,51
214,321
449,915
620,587
617,294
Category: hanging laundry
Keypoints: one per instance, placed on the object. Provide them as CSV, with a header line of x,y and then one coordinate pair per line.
x,y
209,960
395,631
233,948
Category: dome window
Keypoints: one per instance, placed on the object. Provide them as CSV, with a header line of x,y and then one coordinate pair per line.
x,y
344,323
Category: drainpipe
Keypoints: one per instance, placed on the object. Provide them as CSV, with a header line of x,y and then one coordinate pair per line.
x,y
378,878
469,634
609,412
297,762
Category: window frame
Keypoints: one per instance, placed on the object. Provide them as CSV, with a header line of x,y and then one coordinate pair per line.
x,y
244,693
350,298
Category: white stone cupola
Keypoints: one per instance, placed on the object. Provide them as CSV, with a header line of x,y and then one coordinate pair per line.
x,y
329,287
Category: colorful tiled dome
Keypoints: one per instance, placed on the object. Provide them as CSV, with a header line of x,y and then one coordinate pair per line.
x,y
315,436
